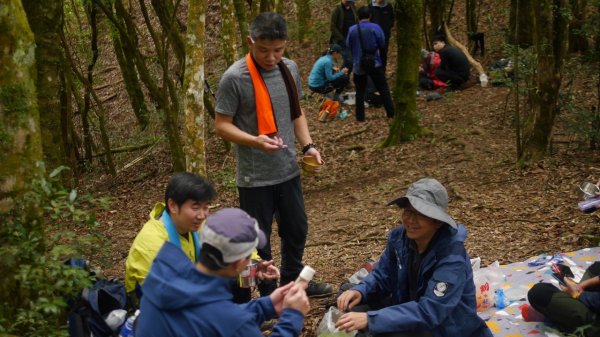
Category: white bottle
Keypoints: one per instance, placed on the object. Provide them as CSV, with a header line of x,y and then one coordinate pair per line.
x,y
305,275
483,79
128,329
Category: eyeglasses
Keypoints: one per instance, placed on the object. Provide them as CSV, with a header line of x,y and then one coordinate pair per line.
x,y
411,213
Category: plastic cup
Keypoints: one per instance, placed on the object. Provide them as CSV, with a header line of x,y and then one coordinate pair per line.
x,y
247,277
310,165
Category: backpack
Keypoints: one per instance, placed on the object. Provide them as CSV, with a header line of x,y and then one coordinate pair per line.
x,y
329,110
87,313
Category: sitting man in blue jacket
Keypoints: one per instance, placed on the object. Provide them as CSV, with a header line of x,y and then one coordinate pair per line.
x,y
423,283
183,299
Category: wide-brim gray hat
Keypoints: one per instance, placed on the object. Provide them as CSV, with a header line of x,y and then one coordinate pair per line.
x,y
429,198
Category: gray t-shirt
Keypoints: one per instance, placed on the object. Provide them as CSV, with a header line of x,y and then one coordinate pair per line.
x,y
235,97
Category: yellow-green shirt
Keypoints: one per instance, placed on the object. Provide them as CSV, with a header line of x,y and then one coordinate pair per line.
x,y
147,244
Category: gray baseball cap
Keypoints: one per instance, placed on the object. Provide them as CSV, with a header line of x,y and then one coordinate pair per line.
x,y
233,232
429,198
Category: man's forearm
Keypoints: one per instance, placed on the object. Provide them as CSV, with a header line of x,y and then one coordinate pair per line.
x,y
301,130
228,131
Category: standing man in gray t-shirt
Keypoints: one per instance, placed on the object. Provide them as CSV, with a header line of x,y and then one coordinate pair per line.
x,y
265,86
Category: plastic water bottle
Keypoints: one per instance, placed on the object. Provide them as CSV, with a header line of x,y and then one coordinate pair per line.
x,y
357,277
127,329
501,300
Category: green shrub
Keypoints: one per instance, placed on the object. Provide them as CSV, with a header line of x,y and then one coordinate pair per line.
x,y
48,225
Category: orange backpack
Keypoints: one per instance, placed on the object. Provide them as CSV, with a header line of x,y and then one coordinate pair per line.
x,y
329,110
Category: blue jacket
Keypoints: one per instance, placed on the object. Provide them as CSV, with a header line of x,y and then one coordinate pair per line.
x,y
591,299
322,72
445,303
179,300
372,40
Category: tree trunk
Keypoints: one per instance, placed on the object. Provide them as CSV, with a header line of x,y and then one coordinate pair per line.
x,y
241,17
577,37
255,8
437,10
521,11
228,32
265,6
278,6
132,84
405,125
471,18
551,42
46,21
166,97
303,18
20,138
166,13
195,124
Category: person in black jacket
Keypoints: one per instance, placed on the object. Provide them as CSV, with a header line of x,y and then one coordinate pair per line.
x,y
454,68
382,13
343,16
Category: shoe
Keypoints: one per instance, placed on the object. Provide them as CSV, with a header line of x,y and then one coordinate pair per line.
x,y
318,289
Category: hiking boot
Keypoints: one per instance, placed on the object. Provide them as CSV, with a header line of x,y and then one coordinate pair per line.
x,y
318,289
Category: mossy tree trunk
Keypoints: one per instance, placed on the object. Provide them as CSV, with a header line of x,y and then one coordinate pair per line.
x,y
228,32
405,125
46,21
20,135
521,23
195,123
20,150
242,20
303,18
551,40
577,37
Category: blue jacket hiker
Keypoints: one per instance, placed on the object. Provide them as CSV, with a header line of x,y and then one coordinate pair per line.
x,y
324,76
367,39
423,283
183,299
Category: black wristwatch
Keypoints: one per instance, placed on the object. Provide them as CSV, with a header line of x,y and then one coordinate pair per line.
x,y
308,147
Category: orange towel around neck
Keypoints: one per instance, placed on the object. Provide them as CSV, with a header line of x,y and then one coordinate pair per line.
x,y
264,109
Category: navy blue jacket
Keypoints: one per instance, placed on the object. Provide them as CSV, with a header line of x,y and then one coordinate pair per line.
x,y
445,303
179,300
372,40
591,300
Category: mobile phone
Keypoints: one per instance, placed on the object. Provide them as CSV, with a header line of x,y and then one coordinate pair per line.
x,y
560,279
565,270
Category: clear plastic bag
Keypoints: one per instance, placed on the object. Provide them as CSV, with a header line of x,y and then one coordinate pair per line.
x,y
327,326
486,281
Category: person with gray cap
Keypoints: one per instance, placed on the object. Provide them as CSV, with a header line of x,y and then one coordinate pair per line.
x,y
183,299
423,282
325,76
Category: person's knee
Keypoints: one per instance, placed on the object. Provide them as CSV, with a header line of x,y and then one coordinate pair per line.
x,y
539,295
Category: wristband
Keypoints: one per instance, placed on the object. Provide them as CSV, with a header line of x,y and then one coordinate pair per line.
x,y
576,295
308,147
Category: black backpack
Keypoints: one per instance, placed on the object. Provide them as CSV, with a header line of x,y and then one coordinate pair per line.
x,y
87,313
